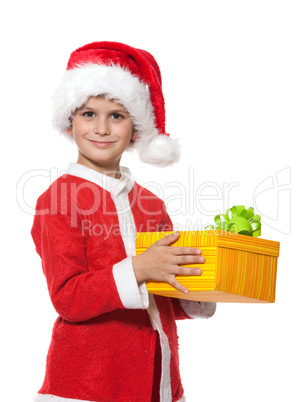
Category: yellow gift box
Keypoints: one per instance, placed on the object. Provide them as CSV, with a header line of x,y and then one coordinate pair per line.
x,y
237,268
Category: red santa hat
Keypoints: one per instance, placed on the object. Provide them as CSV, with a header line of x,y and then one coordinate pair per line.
x,y
129,76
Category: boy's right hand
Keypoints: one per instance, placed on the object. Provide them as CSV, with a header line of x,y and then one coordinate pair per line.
x,y
160,262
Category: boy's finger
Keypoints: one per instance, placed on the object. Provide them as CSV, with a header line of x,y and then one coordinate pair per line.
x,y
186,251
188,259
186,271
177,285
168,240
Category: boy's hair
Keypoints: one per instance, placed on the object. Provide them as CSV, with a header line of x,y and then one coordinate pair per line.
x,y
126,75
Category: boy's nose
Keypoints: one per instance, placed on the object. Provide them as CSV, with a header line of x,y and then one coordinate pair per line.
x,y
102,127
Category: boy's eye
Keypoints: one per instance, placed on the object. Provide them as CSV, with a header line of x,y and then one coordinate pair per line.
x,y
116,116
88,114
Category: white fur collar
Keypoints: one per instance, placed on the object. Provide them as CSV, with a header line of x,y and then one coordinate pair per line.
x,y
106,182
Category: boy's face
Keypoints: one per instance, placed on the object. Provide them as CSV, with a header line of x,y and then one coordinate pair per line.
x,y
102,130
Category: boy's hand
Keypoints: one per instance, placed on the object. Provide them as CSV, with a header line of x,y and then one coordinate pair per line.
x,y
160,262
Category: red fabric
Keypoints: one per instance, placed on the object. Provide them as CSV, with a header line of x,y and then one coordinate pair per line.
x,y
139,62
155,397
99,350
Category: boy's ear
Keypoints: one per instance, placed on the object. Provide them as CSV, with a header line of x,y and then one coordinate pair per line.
x,y
69,130
134,136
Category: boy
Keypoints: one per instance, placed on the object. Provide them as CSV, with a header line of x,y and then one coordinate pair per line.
x,y
112,340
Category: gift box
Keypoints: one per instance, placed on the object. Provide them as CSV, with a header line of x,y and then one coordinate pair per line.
x,y
237,268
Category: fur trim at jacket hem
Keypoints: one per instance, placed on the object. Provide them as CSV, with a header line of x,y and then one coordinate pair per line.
x,y
52,398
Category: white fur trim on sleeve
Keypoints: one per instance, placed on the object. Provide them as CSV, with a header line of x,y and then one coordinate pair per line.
x,y
198,309
132,295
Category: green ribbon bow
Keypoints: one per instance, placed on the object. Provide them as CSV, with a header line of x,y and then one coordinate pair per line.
x,y
238,220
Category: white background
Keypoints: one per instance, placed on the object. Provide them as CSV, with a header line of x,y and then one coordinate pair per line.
x,y
234,79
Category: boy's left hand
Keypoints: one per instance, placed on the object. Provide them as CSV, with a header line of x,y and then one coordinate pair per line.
x,y
162,263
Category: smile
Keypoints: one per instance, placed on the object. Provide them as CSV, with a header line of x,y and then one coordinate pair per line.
x,y
101,144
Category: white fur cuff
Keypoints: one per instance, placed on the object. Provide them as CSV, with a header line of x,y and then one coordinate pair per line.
x,y
132,295
198,309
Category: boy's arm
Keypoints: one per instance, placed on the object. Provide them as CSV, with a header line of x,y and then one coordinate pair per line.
x,y
76,293
184,309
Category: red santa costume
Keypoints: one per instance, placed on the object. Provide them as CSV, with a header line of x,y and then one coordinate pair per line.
x,y
112,341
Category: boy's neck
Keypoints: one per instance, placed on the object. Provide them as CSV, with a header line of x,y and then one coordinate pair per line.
x,y
113,172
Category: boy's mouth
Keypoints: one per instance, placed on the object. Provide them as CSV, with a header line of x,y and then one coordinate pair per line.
x,y
101,144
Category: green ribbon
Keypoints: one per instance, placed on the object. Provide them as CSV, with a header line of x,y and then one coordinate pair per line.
x,y
238,220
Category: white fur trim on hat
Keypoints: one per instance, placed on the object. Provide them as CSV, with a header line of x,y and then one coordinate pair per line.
x,y
159,150
118,84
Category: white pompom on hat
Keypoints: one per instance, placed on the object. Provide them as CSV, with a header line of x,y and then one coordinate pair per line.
x,y
129,76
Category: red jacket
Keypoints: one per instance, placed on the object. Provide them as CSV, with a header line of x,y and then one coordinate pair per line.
x,y
104,341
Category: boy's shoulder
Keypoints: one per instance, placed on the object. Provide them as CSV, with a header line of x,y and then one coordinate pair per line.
x,y
66,187
144,193
58,183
